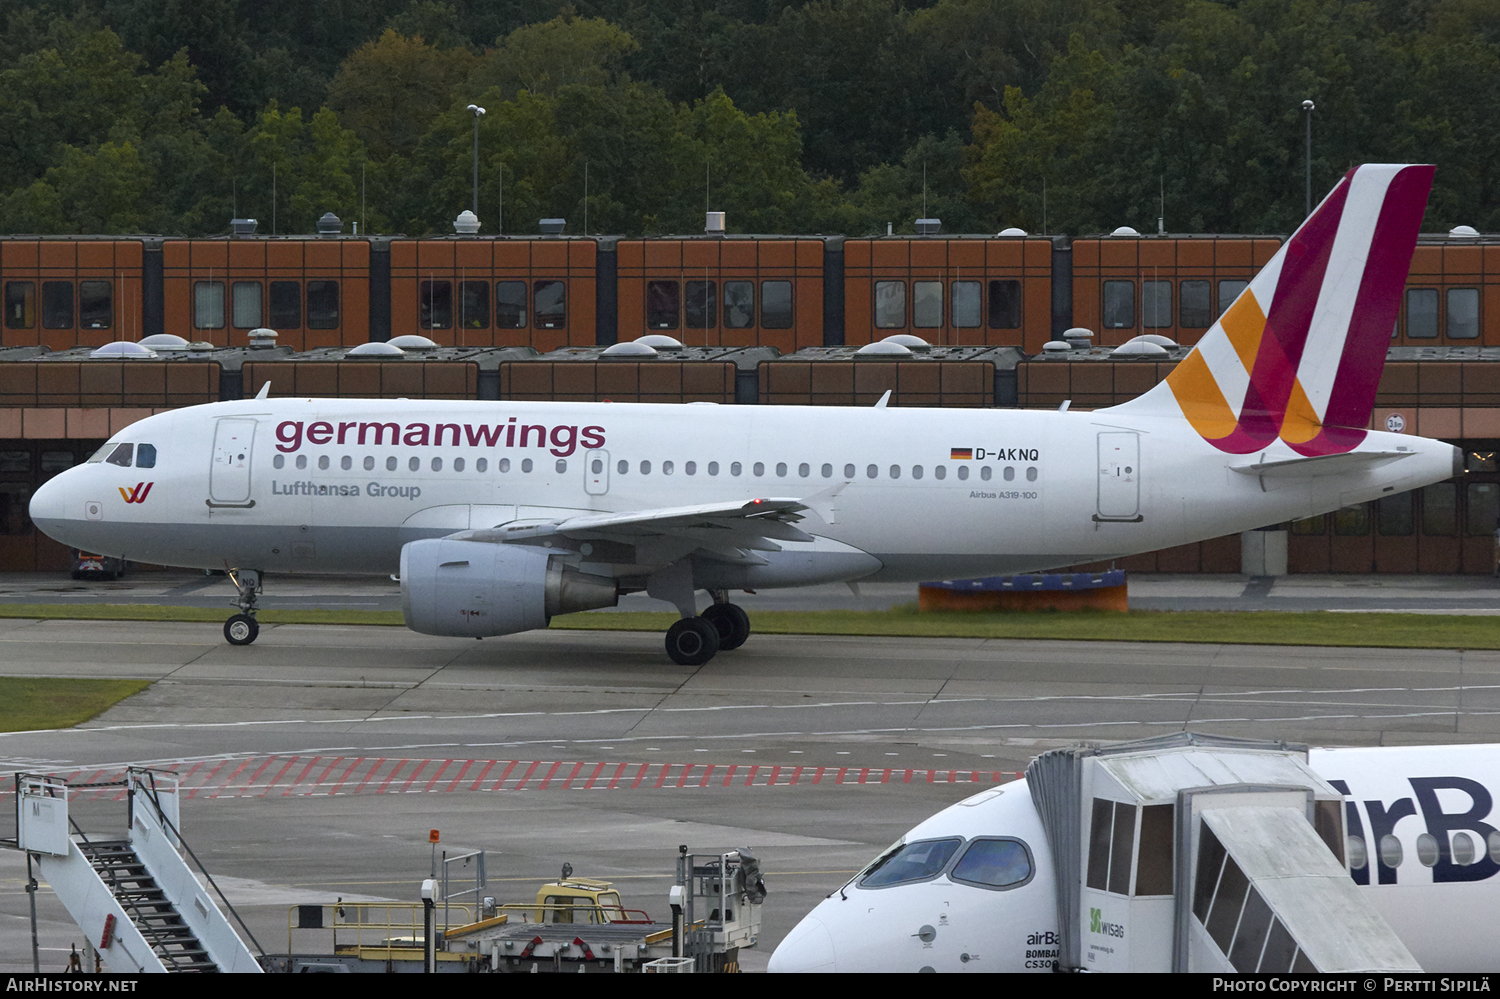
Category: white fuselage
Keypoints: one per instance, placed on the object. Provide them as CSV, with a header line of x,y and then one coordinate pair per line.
x,y
1443,910
325,485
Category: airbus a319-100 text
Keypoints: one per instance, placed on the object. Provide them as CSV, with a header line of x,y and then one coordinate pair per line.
x,y
499,515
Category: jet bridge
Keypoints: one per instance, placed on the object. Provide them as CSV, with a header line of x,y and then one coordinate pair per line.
x,y
1195,853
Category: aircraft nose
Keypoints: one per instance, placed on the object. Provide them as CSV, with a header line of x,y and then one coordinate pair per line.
x,y
809,947
48,501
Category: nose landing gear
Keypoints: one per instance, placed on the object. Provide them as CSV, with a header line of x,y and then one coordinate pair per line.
x,y
242,628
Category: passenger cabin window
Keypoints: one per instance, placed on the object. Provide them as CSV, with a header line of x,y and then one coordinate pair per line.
x,y
322,305
1421,313
927,304
474,305
550,299
890,304
208,305
967,304
739,304
701,307
57,305
662,305
20,305
245,305
1119,305
1463,313
776,305
435,305
1195,309
95,305
286,305
1005,305
510,305
1156,304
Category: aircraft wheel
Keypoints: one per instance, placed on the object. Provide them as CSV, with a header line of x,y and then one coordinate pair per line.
x,y
732,623
692,641
241,629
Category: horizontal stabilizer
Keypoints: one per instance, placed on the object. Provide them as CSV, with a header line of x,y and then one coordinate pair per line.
x,y
1323,464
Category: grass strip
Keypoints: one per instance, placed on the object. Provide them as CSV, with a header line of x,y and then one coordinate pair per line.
x,y
28,703
1314,628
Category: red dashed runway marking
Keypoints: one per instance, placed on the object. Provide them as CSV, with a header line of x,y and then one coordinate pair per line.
x,y
341,775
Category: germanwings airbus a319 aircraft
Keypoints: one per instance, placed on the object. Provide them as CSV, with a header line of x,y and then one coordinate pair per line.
x,y
499,515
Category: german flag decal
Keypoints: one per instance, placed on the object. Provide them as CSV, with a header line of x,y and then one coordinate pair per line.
x,y
961,454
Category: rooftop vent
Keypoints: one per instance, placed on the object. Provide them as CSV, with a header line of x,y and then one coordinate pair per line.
x,y
659,341
242,227
123,349
629,349
1125,230
412,341
552,227
1463,232
1079,337
330,225
262,337
714,225
467,223
929,227
1012,231
1052,347
165,341
376,349
907,340
884,350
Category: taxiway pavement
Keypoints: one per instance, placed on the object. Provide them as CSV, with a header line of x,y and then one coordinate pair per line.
x,y
320,757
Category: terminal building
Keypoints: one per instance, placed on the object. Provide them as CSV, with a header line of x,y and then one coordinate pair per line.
x,y
101,331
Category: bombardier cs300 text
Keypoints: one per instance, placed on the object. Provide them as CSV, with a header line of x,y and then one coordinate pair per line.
x,y
499,515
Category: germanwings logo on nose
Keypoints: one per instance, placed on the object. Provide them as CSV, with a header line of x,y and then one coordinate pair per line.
x,y
138,494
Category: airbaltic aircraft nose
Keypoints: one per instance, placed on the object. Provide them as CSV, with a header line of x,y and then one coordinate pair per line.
x,y
809,947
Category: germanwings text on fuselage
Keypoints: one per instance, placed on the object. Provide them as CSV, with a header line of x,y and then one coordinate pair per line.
x,y
561,440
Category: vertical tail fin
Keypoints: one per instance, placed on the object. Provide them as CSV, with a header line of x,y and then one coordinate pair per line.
x,y
1299,353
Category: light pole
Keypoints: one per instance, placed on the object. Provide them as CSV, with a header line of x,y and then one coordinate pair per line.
x,y
476,111
1307,106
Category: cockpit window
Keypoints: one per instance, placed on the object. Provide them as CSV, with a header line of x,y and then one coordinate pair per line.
x,y
145,456
994,863
911,862
100,454
121,455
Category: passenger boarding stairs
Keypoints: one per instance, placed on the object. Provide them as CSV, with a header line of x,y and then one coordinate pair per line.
x,y
136,899
1194,853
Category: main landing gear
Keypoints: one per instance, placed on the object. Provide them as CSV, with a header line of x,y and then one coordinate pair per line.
x,y
242,628
693,641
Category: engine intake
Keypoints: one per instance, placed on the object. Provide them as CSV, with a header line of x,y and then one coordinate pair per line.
x,y
470,589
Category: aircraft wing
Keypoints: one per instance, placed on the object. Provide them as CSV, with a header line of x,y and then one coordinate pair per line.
x,y
729,531
1321,464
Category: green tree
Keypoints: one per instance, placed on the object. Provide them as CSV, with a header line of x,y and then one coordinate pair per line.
x,y
565,51
389,91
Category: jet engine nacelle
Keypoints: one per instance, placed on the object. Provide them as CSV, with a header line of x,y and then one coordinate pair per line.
x,y
471,589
